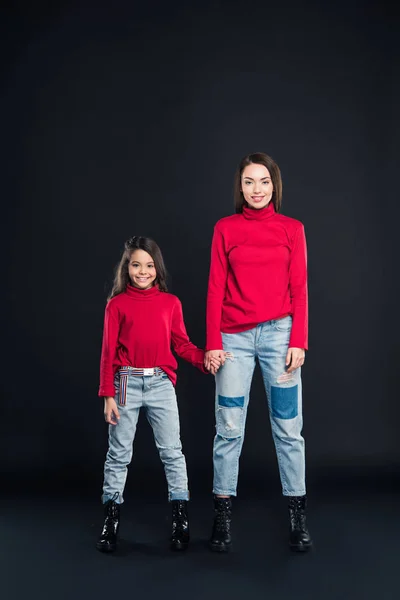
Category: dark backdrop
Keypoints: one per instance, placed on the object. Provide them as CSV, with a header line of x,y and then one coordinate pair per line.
x,y
130,120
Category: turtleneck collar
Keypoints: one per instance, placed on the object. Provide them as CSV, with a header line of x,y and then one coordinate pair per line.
x,y
259,214
137,294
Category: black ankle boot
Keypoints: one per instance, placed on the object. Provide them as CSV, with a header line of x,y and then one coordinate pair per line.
x,y
300,540
180,525
107,541
221,533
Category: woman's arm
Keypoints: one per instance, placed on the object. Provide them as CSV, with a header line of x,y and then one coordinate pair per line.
x,y
216,290
298,291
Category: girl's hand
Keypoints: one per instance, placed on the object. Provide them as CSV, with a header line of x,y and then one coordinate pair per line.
x,y
295,358
215,365
218,355
111,412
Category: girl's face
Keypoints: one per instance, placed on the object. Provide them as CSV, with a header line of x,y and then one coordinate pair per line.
x,y
142,271
256,185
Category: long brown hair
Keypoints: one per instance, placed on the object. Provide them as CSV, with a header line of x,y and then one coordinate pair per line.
x,y
258,158
121,279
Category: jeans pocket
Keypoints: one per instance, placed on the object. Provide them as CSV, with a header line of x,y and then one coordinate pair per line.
x,y
284,324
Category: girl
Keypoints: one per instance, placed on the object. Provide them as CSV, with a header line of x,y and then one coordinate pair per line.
x,y
138,370
257,308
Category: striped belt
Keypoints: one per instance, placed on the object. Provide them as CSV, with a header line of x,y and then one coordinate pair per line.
x,y
125,372
140,372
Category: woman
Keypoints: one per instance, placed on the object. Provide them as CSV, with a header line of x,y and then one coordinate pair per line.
x,y
257,308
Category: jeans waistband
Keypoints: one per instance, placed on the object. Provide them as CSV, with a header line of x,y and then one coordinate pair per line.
x,y
140,372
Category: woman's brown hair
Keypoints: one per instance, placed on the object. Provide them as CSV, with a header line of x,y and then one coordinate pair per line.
x,y
258,158
121,279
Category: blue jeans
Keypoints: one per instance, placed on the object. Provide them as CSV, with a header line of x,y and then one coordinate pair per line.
x,y
269,343
156,394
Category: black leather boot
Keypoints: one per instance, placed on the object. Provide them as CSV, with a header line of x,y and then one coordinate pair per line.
x,y
180,525
300,540
221,533
107,541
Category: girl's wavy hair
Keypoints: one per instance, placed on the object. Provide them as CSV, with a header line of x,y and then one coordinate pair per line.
x,y
121,279
258,158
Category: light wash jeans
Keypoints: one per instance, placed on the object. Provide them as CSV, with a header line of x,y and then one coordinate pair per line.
x,y
156,394
269,343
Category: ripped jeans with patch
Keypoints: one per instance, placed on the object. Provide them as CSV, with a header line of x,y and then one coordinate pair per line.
x,y
268,342
155,394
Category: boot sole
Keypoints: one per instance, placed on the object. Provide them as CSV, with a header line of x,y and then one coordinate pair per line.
x,y
179,547
106,549
304,548
219,547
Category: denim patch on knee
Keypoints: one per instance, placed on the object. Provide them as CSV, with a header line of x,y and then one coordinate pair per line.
x,y
284,402
231,401
229,417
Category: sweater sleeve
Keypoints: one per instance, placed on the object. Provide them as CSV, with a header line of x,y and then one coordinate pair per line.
x,y
298,291
108,351
180,340
216,291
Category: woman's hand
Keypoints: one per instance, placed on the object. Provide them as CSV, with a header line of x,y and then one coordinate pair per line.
x,y
295,358
213,360
111,412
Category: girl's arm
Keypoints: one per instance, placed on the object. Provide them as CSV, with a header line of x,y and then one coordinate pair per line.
x,y
298,291
108,351
216,290
180,340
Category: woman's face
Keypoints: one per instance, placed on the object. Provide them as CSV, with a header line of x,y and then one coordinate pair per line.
x,y
256,185
142,271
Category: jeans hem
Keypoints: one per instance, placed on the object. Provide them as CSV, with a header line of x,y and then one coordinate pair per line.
x,y
223,493
184,495
290,494
118,500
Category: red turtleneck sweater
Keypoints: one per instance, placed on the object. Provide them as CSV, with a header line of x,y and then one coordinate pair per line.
x,y
258,273
139,327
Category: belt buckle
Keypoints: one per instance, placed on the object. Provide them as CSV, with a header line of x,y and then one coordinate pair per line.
x,y
147,372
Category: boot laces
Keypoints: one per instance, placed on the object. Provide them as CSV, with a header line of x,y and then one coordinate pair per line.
x,y
222,520
297,514
178,509
112,507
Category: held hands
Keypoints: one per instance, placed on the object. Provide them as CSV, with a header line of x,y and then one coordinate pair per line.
x,y
213,360
111,412
295,358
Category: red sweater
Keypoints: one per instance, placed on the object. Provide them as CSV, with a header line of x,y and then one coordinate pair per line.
x,y
258,273
139,326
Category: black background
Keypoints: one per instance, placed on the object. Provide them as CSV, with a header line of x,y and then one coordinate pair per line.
x,y
129,119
